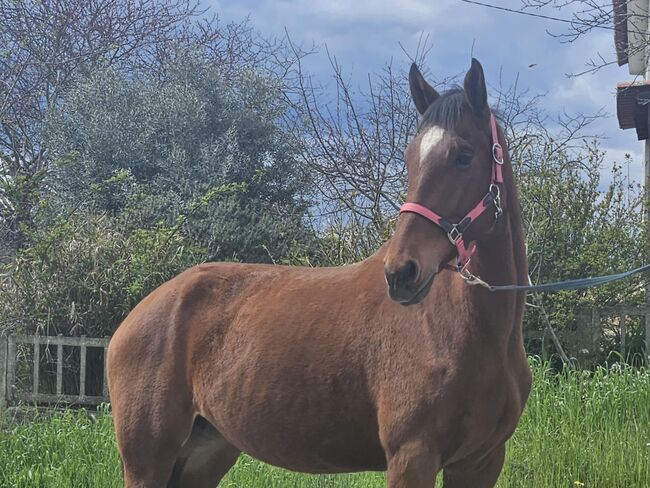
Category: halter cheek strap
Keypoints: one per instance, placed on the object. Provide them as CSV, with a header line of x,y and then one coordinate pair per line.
x,y
455,231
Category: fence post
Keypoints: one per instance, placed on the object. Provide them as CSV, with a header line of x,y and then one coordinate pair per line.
x,y
11,367
82,368
582,347
4,344
59,366
104,377
595,329
37,364
623,331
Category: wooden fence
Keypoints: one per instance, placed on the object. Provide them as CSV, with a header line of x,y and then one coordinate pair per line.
x,y
595,324
584,342
9,348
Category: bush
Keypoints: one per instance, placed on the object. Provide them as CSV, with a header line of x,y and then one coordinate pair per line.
x,y
82,275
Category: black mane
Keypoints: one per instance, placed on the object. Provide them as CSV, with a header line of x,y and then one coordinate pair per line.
x,y
445,111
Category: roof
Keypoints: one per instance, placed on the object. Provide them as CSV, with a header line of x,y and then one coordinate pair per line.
x,y
632,101
620,31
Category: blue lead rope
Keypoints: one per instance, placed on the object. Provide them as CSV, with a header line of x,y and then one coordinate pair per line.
x,y
570,284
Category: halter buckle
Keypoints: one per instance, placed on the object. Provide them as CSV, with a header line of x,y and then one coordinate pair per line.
x,y
454,234
496,147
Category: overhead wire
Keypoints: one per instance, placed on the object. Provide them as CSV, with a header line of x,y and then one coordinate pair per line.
x,y
541,16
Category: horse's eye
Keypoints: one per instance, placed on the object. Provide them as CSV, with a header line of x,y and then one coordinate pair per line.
x,y
464,158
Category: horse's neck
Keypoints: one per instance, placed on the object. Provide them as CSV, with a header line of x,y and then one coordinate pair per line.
x,y
516,230
502,260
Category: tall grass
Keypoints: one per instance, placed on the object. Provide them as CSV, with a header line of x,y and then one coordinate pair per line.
x,y
579,429
583,429
72,450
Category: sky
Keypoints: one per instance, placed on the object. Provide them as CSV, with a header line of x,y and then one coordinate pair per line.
x,y
365,34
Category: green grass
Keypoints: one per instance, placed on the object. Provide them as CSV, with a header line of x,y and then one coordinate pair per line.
x,y
579,429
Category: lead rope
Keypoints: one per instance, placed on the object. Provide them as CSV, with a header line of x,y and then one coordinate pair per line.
x,y
575,284
474,280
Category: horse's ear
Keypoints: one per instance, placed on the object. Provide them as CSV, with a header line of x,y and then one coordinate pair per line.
x,y
422,93
475,90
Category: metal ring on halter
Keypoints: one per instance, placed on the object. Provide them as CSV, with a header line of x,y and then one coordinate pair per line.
x,y
496,193
471,279
497,147
462,268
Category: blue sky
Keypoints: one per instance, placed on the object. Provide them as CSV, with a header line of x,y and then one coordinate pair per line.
x,y
365,34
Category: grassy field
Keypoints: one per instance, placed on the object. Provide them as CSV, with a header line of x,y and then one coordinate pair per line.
x,y
579,429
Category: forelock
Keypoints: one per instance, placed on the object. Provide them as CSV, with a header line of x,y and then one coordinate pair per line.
x,y
445,111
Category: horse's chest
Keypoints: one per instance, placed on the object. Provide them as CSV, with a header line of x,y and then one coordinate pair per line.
x,y
482,409
456,405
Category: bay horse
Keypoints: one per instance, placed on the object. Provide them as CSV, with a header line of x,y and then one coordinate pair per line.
x,y
324,371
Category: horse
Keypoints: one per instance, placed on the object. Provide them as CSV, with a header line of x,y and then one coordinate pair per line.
x,y
390,364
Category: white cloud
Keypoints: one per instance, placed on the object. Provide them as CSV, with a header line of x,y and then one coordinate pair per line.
x,y
363,30
329,15
378,11
588,92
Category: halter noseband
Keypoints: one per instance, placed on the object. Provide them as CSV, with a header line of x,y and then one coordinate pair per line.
x,y
455,231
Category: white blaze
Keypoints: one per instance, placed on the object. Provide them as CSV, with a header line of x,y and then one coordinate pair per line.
x,y
429,140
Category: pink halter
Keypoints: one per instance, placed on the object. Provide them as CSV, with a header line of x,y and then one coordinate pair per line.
x,y
455,231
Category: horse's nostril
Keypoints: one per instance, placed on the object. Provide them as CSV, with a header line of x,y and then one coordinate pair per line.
x,y
408,273
404,276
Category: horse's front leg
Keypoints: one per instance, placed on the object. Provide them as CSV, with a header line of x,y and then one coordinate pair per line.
x,y
482,472
412,465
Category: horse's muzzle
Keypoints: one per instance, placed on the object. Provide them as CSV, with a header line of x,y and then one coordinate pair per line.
x,y
405,285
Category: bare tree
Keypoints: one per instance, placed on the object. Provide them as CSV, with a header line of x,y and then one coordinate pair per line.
x,y
354,149
353,140
585,16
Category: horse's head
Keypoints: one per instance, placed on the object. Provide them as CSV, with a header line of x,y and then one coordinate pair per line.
x,y
451,164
